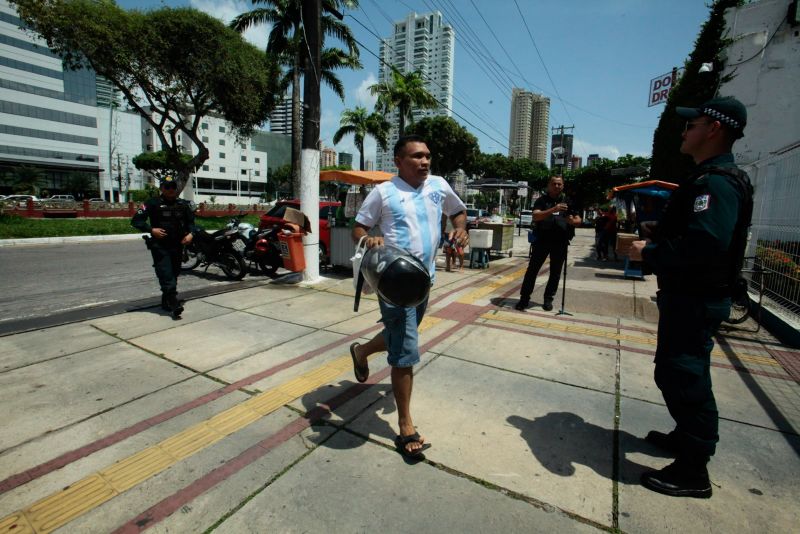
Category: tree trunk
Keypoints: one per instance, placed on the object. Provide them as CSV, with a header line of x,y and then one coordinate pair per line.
x,y
296,130
402,125
361,157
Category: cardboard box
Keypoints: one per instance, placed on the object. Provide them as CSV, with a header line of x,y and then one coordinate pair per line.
x,y
297,217
624,243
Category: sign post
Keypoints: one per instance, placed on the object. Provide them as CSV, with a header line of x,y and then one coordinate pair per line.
x,y
660,86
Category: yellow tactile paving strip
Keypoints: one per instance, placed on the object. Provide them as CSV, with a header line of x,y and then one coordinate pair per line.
x,y
608,334
60,508
491,287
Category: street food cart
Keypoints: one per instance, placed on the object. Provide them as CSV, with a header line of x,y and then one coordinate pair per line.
x,y
641,202
502,236
342,245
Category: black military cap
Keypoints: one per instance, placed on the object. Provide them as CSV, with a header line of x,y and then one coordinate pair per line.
x,y
727,110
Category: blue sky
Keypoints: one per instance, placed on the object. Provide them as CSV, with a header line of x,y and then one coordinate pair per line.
x,y
600,56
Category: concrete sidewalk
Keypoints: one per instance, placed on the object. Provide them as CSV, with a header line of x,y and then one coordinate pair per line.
x,y
245,416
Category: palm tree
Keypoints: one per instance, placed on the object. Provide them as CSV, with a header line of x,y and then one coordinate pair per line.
x,y
287,42
358,123
404,93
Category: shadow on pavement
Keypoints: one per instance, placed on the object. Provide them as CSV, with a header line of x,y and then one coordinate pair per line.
x,y
559,440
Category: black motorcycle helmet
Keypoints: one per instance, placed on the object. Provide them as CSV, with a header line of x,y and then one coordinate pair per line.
x,y
396,275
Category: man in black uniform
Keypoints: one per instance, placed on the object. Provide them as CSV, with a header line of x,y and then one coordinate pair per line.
x,y
696,253
555,227
170,227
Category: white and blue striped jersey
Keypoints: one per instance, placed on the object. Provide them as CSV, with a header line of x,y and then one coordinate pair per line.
x,y
411,218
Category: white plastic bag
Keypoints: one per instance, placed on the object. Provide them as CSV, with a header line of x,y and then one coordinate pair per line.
x,y
361,248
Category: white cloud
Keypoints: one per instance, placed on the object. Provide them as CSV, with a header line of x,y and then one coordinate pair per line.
x,y
226,10
583,148
363,96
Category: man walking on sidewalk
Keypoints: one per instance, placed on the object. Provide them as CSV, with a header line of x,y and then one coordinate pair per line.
x,y
696,252
555,228
408,209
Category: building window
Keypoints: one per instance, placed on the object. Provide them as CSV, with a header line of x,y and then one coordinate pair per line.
x,y
244,158
222,155
205,139
222,169
258,160
204,126
221,129
244,171
205,167
222,142
257,173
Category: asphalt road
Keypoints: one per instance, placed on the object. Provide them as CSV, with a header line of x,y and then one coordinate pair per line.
x,y
40,281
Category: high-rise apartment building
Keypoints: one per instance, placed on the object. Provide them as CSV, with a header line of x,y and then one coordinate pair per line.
x,y
327,157
421,43
575,163
592,159
564,160
280,120
529,125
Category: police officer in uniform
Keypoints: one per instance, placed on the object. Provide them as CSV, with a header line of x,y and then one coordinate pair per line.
x,y
555,228
171,223
696,252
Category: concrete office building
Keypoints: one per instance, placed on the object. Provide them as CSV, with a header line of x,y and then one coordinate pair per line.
x,y
576,162
345,160
48,116
529,125
592,160
418,43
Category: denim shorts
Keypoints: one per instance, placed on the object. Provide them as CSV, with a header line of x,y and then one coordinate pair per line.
x,y
400,332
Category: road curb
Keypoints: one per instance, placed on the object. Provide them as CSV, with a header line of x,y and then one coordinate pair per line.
x,y
68,239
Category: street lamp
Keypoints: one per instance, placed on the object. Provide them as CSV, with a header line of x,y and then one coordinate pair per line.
x,y
558,153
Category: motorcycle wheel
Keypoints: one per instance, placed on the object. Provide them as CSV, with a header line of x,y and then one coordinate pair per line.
x,y
190,258
268,269
232,265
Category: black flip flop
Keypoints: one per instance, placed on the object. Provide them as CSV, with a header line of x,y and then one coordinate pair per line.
x,y
400,443
361,372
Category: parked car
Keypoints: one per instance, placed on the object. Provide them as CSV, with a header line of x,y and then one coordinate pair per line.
x,y
275,216
20,200
473,214
525,218
61,198
97,200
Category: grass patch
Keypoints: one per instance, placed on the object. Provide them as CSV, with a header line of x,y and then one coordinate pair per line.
x,y
16,227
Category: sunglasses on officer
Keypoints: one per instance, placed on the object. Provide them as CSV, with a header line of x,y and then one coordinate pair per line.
x,y
689,125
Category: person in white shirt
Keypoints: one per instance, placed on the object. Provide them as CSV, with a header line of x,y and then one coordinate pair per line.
x,y
408,209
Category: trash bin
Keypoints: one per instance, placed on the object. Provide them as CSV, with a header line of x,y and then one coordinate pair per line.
x,y
291,241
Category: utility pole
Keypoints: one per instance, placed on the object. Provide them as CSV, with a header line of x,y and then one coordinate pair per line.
x,y
563,150
309,159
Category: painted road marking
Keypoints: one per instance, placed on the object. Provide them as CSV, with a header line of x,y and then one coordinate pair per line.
x,y
513,318
491,287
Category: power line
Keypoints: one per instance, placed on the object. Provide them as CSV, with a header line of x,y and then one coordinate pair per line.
x,y
363,46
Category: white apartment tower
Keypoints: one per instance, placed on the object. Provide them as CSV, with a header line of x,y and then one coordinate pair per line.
x,y
422,43
529,125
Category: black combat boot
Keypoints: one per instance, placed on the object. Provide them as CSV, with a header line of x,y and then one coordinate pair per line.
x,y
667,442
164,302
175,305
548,304
522,303
681,478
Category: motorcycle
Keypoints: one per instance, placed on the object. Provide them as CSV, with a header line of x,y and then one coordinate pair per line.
x,y
223,248
261,247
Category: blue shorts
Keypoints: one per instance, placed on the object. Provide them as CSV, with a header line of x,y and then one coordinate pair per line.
x,y
400,332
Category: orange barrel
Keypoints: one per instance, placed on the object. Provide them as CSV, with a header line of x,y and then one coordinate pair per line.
x,y
291,241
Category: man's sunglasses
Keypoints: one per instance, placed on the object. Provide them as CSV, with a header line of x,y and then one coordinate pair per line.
x,y
170,185
690,125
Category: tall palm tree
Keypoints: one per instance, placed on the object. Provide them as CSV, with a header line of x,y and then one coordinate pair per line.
x,y
404,93
28,180
287,41
361,124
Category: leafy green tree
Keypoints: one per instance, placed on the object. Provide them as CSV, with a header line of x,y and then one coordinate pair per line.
x,y
174,66
452,146
693,89
280,180
162,163
405,93
287,42
360,123
28,180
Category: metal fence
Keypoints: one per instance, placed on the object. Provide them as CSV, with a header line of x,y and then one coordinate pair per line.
x,y
774,244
